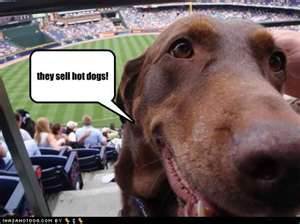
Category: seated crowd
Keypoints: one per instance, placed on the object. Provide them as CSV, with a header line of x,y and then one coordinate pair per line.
x,y
256,2
59,154
6,48
141,19
137,18
57,137
80,31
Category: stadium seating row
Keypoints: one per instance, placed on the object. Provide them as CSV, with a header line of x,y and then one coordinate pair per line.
x,y
56,171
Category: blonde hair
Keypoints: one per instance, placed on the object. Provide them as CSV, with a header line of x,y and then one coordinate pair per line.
x,y
42,125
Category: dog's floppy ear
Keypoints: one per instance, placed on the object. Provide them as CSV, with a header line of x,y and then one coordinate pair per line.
x,y
128,84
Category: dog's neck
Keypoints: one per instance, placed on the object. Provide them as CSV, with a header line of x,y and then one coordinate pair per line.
x,y
145,175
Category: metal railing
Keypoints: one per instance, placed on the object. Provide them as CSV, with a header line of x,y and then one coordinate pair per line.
x,y
14,141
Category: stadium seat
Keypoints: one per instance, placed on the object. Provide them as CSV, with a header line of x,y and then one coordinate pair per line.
x,y
111,153
89,159
2,164
12,197
59,172
9,166
13,173
8,173
95,147
51,151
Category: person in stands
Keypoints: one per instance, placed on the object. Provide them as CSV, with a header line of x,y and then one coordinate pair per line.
x,y
26,122
57,131
43,135
25,135
88,135
3,154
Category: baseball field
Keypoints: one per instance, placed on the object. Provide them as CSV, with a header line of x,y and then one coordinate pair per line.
x,y
16,79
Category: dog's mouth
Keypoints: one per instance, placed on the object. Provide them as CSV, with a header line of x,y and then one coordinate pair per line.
x,y
190,201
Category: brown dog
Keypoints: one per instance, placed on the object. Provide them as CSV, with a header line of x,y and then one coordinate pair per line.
x,y
212,133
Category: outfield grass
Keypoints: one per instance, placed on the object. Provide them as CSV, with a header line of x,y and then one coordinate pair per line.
x,y
16,79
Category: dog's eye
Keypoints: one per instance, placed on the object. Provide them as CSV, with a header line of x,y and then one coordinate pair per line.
x,y
277,61
181,48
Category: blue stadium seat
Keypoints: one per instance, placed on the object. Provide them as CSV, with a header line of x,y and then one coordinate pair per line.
x,y
12,197
8,173
9,166
2,164
89,159
111,154
51,151
13,173
59,172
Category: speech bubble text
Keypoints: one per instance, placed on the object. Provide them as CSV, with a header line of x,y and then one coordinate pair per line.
x,y
74,76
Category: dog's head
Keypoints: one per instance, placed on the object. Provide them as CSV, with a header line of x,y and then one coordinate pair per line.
x,y
206,100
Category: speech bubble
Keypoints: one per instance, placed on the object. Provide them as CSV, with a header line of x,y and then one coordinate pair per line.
x,y
74,76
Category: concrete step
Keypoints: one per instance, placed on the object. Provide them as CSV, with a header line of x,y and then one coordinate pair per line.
x,y
95,179
95,199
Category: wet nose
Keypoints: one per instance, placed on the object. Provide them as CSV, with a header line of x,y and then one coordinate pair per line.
x,y
267,158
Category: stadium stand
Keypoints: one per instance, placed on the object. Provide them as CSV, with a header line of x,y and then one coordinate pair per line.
x,y
257,2
59,172
7,21
26,36
12,199
89,159
6,48
24,33
140,18
74,26
79,32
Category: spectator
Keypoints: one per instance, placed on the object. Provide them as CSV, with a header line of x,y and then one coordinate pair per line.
x,y
114,137
2,152
58,134
2,156
71,136
105,134
159,18
26,122
25,135
70,131
32,148
30,145
5,157
88,135
110,133
43,135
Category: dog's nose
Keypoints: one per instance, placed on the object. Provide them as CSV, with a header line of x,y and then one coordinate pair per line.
x,y
261,167
267,158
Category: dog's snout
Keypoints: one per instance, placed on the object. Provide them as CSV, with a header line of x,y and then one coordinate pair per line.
x,y
261,167
267,158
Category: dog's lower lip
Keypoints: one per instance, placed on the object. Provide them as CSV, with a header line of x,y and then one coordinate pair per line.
x,y
191,202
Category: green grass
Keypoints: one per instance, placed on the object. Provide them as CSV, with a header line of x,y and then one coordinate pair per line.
x,y
16,79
